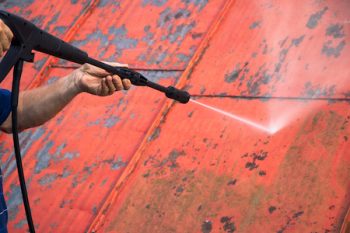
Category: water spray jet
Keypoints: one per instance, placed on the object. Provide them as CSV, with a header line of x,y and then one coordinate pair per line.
x,y
269,130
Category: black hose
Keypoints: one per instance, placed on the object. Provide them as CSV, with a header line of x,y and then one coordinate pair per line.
x,y
14,104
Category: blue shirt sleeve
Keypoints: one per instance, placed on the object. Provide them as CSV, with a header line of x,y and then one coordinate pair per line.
x,y
5,105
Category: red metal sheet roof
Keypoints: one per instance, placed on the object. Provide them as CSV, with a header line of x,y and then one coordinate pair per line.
x,y
207,171
278,49
136,162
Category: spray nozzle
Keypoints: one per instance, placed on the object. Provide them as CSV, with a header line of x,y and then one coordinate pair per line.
x,y
176,94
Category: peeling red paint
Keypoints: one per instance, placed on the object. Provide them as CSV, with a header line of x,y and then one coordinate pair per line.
x,y
138,161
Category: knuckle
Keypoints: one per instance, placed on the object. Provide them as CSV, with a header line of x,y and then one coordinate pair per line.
x,y
10,34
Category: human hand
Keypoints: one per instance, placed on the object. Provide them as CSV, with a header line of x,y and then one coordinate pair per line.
x,y
96,81
5,38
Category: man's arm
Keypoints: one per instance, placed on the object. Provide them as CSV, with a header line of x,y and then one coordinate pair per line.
x,y
37,106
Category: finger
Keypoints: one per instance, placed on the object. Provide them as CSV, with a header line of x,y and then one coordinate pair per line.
x,y
1,51
8,33
126,84
104,88
110,85
5,43
3,40
117,83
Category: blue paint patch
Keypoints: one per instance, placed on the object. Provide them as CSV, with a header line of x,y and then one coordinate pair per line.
x,y
315,18
3,151
297,41
121,40
66,173
183,57
40,63
94,210
111,121
336,31
60,29
93,123
96,35
172,32
116,165
53,79
48,179
15,3
148,38
158,3
331,50
14,202
43,157
38,20
59,120
199,3
255,25
318,91
21,224
26,140
83,175
52,21
168,17
70,155
178,33
104,3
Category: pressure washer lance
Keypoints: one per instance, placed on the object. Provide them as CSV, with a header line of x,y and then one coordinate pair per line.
x,y
28,37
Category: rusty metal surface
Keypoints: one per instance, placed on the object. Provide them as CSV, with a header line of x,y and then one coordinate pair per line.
x,y
208,173
73,162
135,162
147,34
71,178
211,174
278,48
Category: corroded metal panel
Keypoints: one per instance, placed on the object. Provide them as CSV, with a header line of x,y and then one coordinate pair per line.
x,y
135,162
208,173
278,48
73,161
148,34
